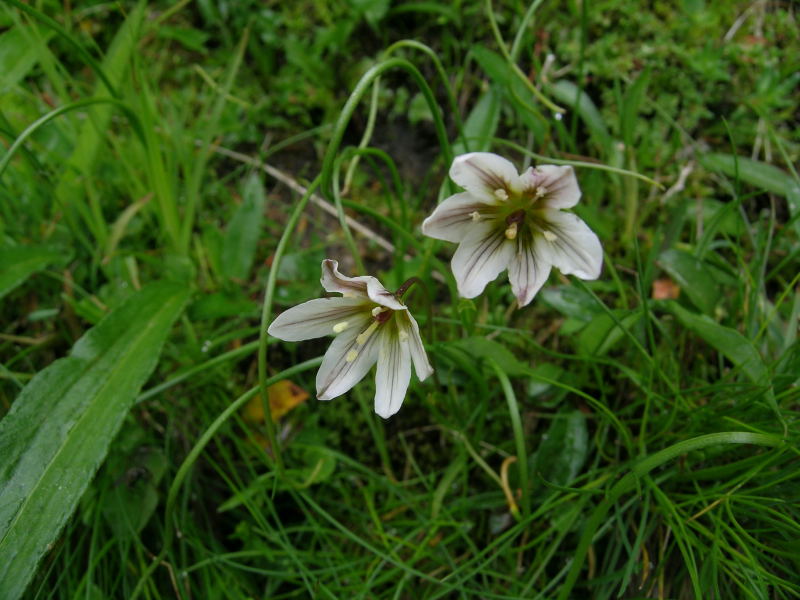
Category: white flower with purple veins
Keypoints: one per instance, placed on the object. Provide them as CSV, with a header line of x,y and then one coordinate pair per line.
x,y
371,325
506,220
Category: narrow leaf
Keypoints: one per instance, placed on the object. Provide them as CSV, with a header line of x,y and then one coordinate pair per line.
x,y
732,344
59,428
244,231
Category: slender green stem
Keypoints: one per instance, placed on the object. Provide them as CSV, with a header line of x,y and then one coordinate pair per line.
x,y
337,200
368,131
517,45
514,67
576,163
266,313
519,435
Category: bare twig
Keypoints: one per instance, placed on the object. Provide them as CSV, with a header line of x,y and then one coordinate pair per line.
x,y
326,206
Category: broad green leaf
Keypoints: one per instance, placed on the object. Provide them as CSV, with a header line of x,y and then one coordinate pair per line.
x,y
59,428
732,344
694,277
568,94
17,263
564,448
244,231
759,174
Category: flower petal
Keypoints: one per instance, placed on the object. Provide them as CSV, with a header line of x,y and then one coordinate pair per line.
x,y
575,249
364,286
527,272
559,183
408,325
393,374
483,173
480,258
452,219
317,318
337,374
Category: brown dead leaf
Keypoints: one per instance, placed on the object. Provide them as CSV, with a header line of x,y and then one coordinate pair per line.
x,y
665,289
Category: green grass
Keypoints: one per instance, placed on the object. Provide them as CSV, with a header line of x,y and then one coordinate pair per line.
x,y
630,437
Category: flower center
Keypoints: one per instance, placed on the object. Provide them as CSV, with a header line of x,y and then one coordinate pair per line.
x,y
514,220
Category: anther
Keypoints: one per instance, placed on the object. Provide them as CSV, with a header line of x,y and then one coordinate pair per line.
x,y
549,235
511,231
541,191
364,336
403,335
351,356
476,216
340,327
501,194
377,310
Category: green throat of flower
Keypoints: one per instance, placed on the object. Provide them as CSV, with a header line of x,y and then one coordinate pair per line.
x,y
521,215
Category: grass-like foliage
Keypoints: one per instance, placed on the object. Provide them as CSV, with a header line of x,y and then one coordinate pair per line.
x,y
172,175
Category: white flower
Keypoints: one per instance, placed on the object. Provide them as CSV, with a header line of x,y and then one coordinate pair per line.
x,y
507,220
371,324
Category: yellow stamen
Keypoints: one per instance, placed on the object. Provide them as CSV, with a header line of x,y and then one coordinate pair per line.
x,y
511,232
340,327
377,310
501,194
351,356
476,216
549,236
541,191
364,336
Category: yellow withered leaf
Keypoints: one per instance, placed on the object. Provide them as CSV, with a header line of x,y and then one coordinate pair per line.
x,y
283,397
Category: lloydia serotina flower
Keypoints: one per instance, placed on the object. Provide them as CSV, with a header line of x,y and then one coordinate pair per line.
x,y
506,220
371,325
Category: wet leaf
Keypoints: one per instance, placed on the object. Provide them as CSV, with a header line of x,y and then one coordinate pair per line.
x,y
59,429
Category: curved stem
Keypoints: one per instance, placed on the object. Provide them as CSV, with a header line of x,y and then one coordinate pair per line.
x,y
440,70
266,313
31,129
355,97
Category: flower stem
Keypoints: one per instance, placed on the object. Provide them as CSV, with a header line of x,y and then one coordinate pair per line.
x,y
266,313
